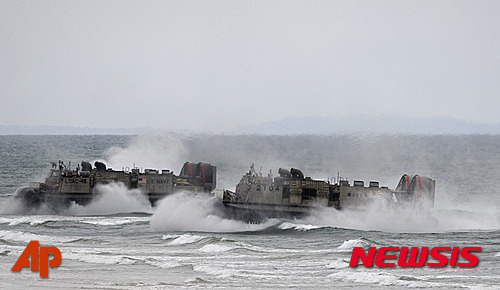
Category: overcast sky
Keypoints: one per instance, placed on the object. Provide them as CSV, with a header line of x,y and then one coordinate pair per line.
x,y
218,65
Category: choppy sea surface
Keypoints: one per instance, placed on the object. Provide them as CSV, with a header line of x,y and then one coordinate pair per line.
x,y
120,242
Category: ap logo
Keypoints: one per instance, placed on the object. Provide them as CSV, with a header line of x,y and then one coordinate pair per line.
x,y
39,258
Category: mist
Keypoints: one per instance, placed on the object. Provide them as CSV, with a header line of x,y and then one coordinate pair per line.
x,y
159,151
188,212
199,213
466,197
113,198
386,219
459,164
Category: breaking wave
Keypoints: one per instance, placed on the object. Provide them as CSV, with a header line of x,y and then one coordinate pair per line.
x,y
25,237
30,220
347,246
60,221
113,221
299,227
176,240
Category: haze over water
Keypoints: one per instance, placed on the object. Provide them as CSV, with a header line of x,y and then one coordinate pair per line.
x,y
183,242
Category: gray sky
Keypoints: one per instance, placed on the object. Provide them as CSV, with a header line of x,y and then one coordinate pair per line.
x,y
218,65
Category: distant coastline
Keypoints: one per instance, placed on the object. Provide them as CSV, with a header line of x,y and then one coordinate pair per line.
x,y
293,126
370,125
65,130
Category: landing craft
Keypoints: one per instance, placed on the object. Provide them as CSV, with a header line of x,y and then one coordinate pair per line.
x,y
64,185
256,197
291,194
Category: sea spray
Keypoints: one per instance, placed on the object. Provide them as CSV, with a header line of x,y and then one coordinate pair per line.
x,y
13,206
166,151
108,198
113,198
198,212
401,220
374,218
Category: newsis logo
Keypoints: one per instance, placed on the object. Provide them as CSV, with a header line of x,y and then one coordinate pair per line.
x,y
39,258
390,256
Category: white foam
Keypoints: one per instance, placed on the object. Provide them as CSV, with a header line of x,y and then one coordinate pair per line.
x,y
338,264
182,239
28,220
113,221
5,220
169,237
17,221
32,220
94,258
19,236
347,246
215,271
165,263
365,277
216,248
379,278
36,220
299,227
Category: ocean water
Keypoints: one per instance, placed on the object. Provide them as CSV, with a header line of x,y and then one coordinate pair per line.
x,y
120,242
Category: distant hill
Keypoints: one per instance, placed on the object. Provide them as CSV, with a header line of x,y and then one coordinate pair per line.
x,y
369,125
296,126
